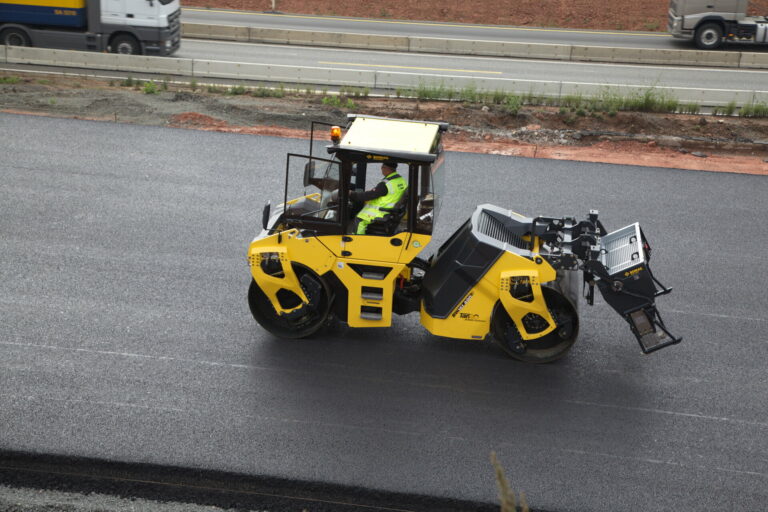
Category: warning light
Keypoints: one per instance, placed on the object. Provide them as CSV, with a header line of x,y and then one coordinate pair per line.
x,y
335,134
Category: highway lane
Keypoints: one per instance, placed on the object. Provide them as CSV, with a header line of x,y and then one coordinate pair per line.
x,y
433,29
433,67
537,35
126,335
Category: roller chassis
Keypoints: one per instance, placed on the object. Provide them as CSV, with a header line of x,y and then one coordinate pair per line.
x,y
515,279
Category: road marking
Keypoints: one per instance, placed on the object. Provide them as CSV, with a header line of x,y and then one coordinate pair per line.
x,y
666,462
392,66
715,315
30,398
671,413
429,24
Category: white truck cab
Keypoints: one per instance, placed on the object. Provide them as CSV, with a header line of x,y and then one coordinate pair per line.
x,y
710,23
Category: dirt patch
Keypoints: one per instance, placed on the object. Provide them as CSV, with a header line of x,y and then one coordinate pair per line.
x,y
699,142
650,15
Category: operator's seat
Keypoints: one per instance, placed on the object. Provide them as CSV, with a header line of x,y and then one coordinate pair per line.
x,y
387,224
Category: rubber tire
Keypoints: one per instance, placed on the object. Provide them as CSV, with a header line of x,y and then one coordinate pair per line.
x,y
14,37
709,36
125,44
554,346
264,313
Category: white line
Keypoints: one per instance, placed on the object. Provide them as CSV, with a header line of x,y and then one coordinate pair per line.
x,y
734,317
665,462
93,402
136,356
671,413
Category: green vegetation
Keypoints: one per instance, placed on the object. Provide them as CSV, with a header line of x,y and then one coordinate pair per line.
x,y
236,90
727,110
9,79
355,92
332,101
754,110
607,101
193,85
690,108
128,82
150,87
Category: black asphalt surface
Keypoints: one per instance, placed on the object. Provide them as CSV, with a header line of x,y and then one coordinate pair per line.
x,y
125,333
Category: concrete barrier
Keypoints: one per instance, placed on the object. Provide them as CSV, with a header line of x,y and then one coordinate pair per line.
x,y
96,60
332,39
282,74
3,56
753,60
761,97
219,32
489,48
655,56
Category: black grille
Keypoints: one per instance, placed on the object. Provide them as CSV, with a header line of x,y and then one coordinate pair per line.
x,y
174,23
494,228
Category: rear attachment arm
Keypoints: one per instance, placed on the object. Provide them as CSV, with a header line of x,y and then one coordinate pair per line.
x,y
618,263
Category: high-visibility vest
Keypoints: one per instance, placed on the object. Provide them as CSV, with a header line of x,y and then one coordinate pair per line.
x,y
396,187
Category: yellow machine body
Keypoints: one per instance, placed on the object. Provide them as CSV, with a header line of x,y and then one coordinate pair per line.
x,y
500,274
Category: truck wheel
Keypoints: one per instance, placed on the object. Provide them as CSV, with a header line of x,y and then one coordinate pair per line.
x,y
14,37
126,45
306,321
709,36
547,348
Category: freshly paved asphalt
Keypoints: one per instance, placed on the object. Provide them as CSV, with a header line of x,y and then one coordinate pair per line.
x,y
125,334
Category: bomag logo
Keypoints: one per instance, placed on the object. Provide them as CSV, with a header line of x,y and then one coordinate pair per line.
x,y
633,272
461,306
471,317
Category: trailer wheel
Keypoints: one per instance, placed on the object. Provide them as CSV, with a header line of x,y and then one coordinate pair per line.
x,y
709,36
125,44
549,347
309,320
14,37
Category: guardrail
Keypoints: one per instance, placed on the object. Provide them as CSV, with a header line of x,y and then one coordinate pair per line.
x,y
747,60
375,80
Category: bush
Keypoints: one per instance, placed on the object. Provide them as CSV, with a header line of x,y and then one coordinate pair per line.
x,y
236,90
150,87
512,104
332,101
9,79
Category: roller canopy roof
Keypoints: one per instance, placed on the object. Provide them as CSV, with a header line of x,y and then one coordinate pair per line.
x,y
395,138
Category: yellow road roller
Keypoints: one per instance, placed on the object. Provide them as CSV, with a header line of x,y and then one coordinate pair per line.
x,y
357,214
